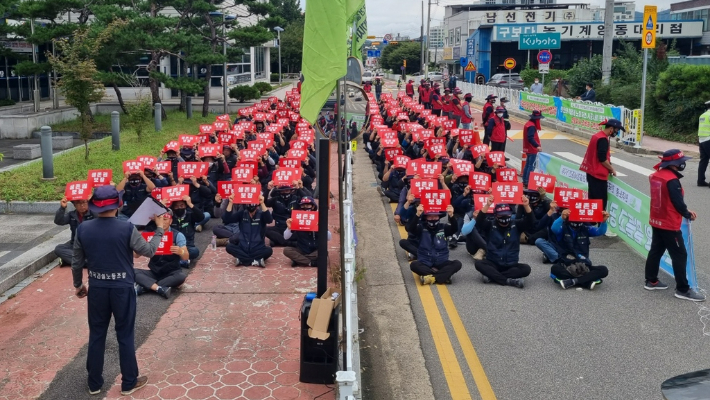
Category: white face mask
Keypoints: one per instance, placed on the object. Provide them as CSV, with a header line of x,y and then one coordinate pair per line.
x,y
500,115
536,81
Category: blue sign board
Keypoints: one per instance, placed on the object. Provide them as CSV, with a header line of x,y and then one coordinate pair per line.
x,y
378,53
463,61
370,53
544,57
538,41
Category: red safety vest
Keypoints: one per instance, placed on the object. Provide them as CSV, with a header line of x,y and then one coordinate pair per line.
x,y
498,134
663,215
464,118
456,110
527,146
447,104
591,163
409,89
485,107
435,104
425,95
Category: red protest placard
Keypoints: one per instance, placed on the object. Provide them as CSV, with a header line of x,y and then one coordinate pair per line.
x,y
455,132
190,169
285,162
435,200
400,161
586,211
479,150
227,138
437,150
496,157
174,193
462,167
220,126
508,193
248,154
466,137
413,166
208,150
157,193
206,128
480,200
432,141
165,242
425,134
246,194
225,188
257,145
506,175
299,145
389,142
565,196
223,117
268,136
388,134
430,169
203,139
188,140
479,181
298,154
172,145
132,167
242,174
390,154
99,177
163,167
248,164
78,190
285,176
448,124
148,161
418,185
537,180
304,221
306,137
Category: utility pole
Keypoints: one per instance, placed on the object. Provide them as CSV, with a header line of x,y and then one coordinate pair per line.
x,y
421,41
428,33
608,41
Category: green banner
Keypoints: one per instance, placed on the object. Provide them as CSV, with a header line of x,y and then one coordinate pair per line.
x,y
578,113
544,104
359,32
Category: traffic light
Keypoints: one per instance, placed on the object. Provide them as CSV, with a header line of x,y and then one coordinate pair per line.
x,y
405,63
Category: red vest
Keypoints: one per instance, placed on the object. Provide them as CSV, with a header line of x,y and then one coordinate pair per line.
x,y
591,164
663,215
498,134
435,104
447,103
527,146
409,88
458,111
485,107
464,118
425,95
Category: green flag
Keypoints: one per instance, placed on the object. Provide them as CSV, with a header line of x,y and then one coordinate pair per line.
x,y
351,9
324,53
359,32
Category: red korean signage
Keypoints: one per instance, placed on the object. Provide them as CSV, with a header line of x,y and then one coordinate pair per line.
x,y
448,124
246,194
148,161
242,174
174,193
508,193
99,177
258,145
223,117
132,167
172,145
220,126
299,145
496,158
248,164
205,129
466,137
285,162
165,242
413,166
461,167
227,138
435,200
418,185
285,176
479,150
480,200
297,154
537,180
430,169
400,161
249,155
586,211
267,136
437,150
163,167
564,197
189,169
188,140
225,189
157,193
389,143
208,150
506,175
78,190
304,221
479,181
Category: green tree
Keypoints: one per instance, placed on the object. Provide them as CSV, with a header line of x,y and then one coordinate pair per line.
x,y
681,93
244,92
393,56
291,48
289,10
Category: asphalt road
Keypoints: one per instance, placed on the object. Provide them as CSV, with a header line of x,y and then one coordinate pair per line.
x,y
616,342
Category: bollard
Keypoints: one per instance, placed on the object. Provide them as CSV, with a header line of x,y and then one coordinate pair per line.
x,y
47,157
188,106
158,117
116,130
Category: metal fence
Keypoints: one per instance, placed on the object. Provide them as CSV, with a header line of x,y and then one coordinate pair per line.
x,y
630,118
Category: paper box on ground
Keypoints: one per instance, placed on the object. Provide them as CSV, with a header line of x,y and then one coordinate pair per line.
x,y
319,316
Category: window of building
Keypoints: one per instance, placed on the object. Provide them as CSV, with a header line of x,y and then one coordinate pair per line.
x,y
704,17
457,36
451,37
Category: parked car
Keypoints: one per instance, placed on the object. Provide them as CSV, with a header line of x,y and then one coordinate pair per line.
x,y
502,80
367,76
434,76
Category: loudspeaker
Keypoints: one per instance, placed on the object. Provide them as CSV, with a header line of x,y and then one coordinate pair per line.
x,y
319,358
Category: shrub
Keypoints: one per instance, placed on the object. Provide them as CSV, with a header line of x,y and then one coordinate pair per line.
x,y
263,87
583,72
139,114
528,75
274,77
244,92
7,102
681,93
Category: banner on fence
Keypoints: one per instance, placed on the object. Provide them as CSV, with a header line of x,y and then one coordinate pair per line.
x,y
569,111
628,208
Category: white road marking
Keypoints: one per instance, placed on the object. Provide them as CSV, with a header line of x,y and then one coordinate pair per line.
x,y
631,166
577,159
2,253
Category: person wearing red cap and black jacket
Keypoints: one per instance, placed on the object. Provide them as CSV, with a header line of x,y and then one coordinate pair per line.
x,y
425,94
501,264
420,88
495,130
106,245
456,107
433,264
597,160
436,103
447,108
531,144
409,89
488,109
667,212
466,116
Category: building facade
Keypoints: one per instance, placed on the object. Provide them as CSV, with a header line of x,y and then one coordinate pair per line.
x,y
695,10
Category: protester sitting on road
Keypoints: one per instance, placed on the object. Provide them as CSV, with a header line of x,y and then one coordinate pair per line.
x,y
541,207
568,248
73,218
305,252
433,264
502,264
475,243
164,271
283,200
158,180
248,246
185,217
187,153
392,182
172,156
227,229
218,167
136,188
407,206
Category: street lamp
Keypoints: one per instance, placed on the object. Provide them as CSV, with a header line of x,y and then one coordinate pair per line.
x,y
278,30
224,53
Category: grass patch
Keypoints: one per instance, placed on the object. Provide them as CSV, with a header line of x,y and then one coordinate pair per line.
x,y
26,184
661,131
102,123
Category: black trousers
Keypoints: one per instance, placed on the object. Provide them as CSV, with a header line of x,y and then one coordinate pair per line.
x,y
532,237
704,159
436,112
276,235
394,197
147,278
65,252
409,246
102,304
595,272
497,146
597,189
246,258
442,272
474,242
672,241
499,273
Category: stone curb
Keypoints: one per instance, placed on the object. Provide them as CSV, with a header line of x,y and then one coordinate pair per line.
x,y
33,260
28,207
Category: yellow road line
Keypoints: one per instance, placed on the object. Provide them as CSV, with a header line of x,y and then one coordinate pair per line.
x,y
474,364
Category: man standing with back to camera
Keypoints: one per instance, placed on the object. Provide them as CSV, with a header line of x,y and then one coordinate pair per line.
x,y
106,244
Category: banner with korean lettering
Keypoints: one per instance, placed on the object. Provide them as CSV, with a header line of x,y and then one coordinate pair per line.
x,y
246,194
578,113
165,242
304,221
628,208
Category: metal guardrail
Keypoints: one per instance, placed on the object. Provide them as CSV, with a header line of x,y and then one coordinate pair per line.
x,y
630,118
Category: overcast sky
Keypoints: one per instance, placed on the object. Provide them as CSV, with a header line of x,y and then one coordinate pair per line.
x,y
405,16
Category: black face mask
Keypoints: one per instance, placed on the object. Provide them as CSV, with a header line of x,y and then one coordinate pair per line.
x,y
503,220
134,182
251,207
180,212
575,225
431,224
681,167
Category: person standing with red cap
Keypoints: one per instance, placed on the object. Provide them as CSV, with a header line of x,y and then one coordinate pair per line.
x,y
495,130
409,89
667,212
531,143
